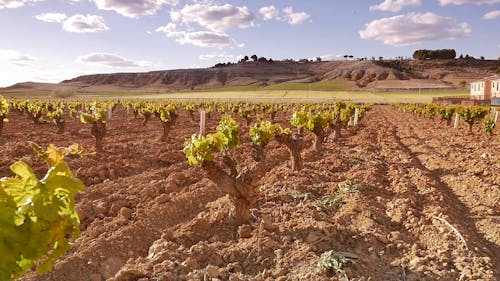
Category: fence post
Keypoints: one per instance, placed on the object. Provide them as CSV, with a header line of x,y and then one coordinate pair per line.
x,y
202,122
455,125
356,116
496,116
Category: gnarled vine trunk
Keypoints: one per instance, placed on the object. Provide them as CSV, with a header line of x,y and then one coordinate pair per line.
x,y
60,125
248,120
98,131
448,122
294,144
36,117
146,117
242,187
167,125
470,123
319,139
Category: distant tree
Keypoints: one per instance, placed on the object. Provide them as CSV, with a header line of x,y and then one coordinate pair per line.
x,y
218,65
351,56
244,59
461,56
318,59
254,57
381,58
482,57
262,59
346,57
434,54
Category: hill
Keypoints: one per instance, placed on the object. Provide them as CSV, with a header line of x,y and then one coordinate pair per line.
x,y
351,75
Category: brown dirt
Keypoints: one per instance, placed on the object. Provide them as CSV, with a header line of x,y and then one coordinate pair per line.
x,y
147,215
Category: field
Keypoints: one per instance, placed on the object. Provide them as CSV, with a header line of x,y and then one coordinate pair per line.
x,y
406,198
286,92
239,94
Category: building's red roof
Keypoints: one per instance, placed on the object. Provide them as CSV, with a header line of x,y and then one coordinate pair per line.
x,y
494,77
489,78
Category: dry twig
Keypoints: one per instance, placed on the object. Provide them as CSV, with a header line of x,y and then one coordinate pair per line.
x,y
457,233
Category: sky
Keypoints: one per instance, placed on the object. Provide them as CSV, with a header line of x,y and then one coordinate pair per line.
x,y
53,40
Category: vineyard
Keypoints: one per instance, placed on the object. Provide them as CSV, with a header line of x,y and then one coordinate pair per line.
x,y
249,191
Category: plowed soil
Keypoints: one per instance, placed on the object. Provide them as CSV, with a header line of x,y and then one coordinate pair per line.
x,y
428,209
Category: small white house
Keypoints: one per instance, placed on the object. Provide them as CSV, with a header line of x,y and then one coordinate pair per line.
x,y
485,89
495,87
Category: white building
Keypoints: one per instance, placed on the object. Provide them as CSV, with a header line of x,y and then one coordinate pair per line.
x,y
486,88
495,87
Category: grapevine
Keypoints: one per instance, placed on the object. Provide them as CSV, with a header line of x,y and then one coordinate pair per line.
x,y
38,217
488,126
97,117
57,117
472,114
168,117
4,111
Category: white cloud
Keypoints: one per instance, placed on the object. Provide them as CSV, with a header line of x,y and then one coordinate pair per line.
x,y
463,2
414,28
10,4
76,23
214,17
294,18
205,39
15,57
212,39
37,73
110,60
269,12
395,5
51,17
216,57
135,8
202,38
84,24
330,57
492,15
167,29
286,15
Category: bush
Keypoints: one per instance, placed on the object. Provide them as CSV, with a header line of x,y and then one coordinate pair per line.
x,y
434,54
63,93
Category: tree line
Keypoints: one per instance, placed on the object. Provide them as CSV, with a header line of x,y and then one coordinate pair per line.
x,y
442,54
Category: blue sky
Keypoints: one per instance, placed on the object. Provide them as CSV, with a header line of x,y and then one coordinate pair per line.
x,y
52,40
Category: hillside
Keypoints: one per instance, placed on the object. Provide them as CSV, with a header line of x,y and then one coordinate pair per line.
x,y
372,75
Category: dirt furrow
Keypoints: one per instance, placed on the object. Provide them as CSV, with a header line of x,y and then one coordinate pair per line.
x,y
434,199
